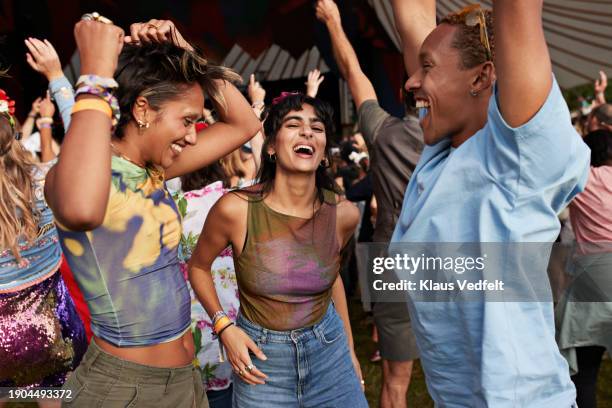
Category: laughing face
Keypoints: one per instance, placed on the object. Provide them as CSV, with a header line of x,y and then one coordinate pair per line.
x,y
442,88
300,142
173,127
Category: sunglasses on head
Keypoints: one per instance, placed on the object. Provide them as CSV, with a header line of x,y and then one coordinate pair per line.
x,y
473,15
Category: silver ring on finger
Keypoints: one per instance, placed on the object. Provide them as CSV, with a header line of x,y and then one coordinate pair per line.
x,y
249,368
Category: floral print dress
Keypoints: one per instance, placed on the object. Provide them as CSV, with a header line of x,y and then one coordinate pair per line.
x,y
194,207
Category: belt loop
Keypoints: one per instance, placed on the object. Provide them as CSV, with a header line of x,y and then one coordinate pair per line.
x,y
263,338
170,378
96,352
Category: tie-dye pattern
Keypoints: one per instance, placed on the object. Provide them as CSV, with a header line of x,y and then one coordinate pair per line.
x,y
288,266
128,268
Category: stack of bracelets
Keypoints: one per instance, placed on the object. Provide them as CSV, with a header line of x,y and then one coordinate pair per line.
x,y
103,88
220,322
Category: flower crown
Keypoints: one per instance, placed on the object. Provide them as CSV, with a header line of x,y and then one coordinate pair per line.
x,y
7,107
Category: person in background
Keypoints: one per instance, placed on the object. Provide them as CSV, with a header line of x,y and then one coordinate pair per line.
x,y
584,314
600,118
395,146
202,189
43,58
42,338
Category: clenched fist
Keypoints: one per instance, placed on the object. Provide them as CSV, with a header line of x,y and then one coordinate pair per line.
x,y
99,47
327,11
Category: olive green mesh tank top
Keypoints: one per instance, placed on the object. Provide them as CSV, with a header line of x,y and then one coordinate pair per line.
x,y
288,265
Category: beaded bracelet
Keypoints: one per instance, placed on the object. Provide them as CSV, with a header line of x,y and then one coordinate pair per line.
x,y
102,88
96,80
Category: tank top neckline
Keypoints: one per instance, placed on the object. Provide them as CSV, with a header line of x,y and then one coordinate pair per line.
x,y
314,214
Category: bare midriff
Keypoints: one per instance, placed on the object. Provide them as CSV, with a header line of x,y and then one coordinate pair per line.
x,y
173,354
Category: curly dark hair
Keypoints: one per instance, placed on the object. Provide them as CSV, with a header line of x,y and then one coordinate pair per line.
x,y
162,72
273,123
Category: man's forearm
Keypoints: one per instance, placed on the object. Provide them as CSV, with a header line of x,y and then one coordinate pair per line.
x,y
345,55
414,20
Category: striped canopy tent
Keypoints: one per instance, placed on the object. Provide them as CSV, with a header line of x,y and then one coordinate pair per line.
x,y
274,63
579,34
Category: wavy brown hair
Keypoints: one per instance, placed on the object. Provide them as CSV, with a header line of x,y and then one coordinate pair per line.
x,y
161,73
17,217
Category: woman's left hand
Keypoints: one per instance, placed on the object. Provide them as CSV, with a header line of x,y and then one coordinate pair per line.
x,y
158,31
357,369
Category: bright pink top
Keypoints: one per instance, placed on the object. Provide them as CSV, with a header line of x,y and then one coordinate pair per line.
x,y
591,211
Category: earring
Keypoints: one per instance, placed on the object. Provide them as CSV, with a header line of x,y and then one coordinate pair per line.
x,y
272,157
141,124
324,163
473,93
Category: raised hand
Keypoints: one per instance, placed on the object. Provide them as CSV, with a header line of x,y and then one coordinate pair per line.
x,y
43,58
312,83
602,83
237,345
47,107
158,31
99,46
256,92
327,11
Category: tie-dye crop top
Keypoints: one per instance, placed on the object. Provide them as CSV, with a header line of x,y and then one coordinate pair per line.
x,y
128,268
288,266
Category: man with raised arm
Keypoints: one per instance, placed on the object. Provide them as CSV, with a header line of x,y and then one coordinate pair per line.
x,y
395,146
501,160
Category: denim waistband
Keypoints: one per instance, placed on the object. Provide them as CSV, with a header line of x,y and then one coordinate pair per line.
x,y
129,371
264,335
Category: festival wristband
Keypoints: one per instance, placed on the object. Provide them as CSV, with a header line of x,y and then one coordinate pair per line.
x,y
93,104
217,316
221,323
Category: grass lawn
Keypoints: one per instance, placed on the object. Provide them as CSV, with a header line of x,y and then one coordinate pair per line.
x,y
417,393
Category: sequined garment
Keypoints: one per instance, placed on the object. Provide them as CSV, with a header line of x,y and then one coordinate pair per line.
x,y
42,338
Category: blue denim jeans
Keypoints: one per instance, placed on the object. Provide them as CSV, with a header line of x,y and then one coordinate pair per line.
x,y
309,367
